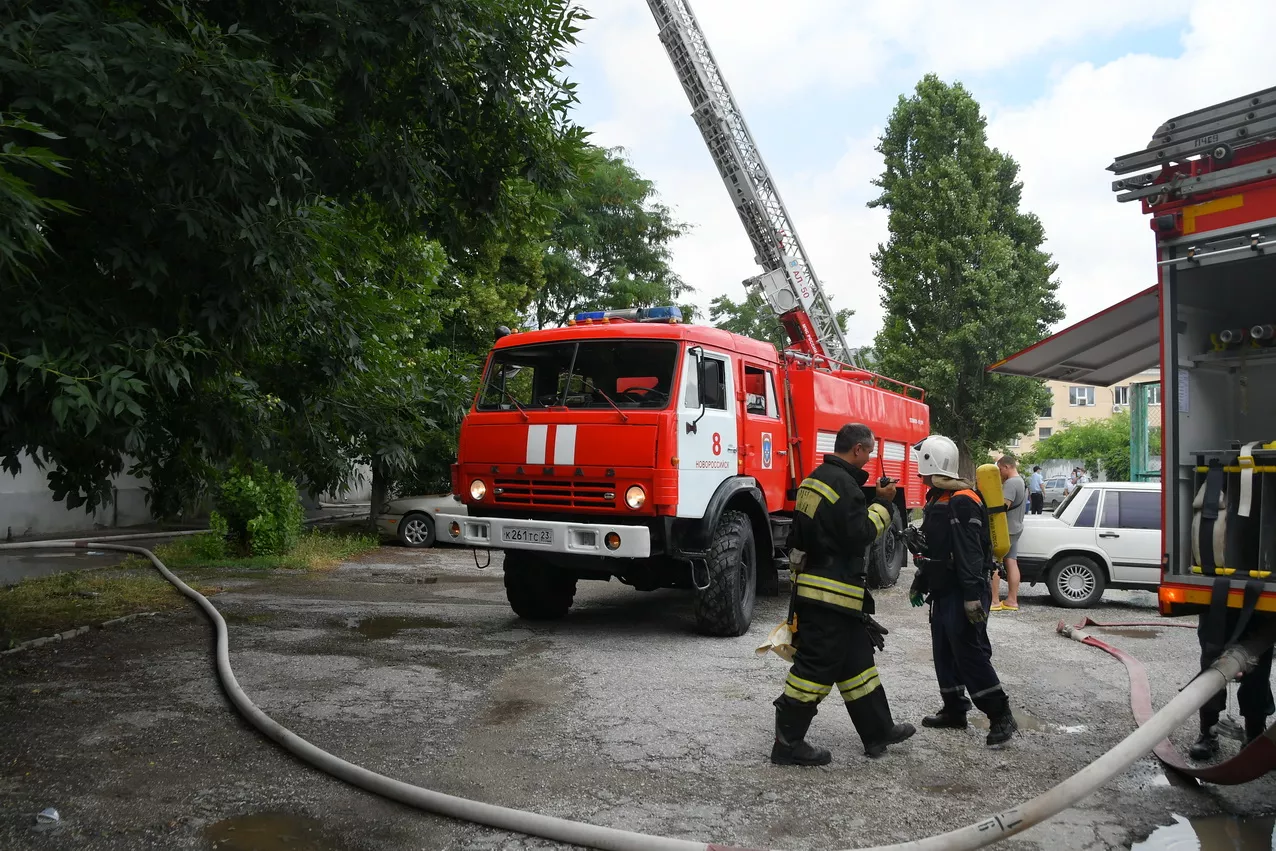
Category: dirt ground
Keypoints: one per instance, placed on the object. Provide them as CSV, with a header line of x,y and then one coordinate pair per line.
x,y
410,663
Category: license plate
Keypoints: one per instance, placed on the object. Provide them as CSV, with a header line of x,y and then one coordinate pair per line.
x,y
528,536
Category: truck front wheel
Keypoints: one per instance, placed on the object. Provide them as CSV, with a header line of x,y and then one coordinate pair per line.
x,y
537,590
726,606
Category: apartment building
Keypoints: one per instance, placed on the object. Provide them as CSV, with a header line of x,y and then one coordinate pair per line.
x,y
1078,402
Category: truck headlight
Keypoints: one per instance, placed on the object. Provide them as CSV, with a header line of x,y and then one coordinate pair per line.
x,y
478,490
635,497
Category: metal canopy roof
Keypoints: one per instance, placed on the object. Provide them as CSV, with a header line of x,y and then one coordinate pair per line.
x,y
1110,346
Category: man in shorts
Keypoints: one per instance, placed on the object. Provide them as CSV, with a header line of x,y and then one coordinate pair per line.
x,y
1014,492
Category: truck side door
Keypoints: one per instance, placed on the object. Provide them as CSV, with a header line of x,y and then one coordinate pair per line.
x,y
1130,533
763,447
707,434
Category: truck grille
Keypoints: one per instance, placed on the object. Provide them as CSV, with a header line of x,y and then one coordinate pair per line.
x,y
555,493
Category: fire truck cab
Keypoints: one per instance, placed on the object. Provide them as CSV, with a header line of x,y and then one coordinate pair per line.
x,y
630,445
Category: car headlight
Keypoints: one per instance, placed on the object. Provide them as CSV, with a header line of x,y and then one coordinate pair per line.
x,y
635,497
478,490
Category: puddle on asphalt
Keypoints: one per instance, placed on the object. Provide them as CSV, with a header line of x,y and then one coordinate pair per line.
x,y
1208,833
1130,632
511,710
389,625
1028,721
270,832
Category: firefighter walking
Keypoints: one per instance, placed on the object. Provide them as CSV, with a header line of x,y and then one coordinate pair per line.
x,y
835,522
954,569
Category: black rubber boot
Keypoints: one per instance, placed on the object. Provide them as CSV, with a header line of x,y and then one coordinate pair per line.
x,y
1255,726
1001,727
894,736
790,747
951,716
1206,745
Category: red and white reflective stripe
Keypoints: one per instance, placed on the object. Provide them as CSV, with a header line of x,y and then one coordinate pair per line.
x,y
537,436
565,445
564,441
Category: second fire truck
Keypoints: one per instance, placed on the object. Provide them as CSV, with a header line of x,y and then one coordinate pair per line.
x,y
631,445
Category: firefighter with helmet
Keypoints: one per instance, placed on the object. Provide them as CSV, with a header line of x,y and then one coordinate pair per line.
x,y
837,518
954,561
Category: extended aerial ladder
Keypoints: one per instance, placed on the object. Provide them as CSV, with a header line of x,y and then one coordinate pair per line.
x,y
788,281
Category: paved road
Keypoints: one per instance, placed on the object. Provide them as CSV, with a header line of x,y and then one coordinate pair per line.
x,y
411,663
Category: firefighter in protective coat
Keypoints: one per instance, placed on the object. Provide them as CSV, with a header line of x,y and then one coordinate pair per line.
x,y
954,569
835,521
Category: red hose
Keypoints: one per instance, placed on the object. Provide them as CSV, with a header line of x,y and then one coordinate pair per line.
x,y
1254,760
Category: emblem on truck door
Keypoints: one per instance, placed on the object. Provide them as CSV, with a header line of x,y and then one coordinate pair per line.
x,y
766,450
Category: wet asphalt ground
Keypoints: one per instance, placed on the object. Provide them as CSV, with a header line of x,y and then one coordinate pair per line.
x,y
410,663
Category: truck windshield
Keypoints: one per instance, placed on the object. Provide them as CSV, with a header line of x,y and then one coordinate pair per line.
x,y
587,374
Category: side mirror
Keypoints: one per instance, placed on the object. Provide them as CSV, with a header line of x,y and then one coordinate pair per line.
x,y
698,353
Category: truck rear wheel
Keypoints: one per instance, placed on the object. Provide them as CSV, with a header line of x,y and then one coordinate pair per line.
x,y
726,606
886,557
537,590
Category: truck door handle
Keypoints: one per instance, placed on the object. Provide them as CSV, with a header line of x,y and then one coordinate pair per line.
x,y
731,449
1108,535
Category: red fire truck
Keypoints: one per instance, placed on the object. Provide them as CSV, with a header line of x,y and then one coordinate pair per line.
x,y
1208,181
631,445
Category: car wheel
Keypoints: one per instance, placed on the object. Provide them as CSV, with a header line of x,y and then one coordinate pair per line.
x,y
887,556
536,590
416,530
1076,582
726,606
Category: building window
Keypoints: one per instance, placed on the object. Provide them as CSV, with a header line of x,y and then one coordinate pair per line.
x,y
1043,433
1046,413
1154,394
1121,395
1082,397
1014,444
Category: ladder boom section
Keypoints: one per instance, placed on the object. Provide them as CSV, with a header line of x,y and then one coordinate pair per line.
x,y
788,280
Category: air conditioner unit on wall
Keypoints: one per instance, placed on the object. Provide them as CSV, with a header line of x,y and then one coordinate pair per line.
x,y
1116,409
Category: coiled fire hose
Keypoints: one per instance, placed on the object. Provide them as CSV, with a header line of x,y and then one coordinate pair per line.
x,y
1233,661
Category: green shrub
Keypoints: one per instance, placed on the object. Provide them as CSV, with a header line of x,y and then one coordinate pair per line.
x,y
260,513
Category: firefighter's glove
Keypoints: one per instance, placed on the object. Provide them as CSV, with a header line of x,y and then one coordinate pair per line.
x,y
915,540
975,612
876,632
917,591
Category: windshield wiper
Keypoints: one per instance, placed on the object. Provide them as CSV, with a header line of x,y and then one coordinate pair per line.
x,y
623,416
510,396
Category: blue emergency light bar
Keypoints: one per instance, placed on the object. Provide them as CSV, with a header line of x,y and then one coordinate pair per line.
x,y
633,314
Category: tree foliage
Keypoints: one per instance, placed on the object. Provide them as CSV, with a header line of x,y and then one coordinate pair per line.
x,y
964,278
1098,443
265,211
609,245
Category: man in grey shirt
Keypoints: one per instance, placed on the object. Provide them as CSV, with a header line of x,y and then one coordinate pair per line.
x,y
1015,494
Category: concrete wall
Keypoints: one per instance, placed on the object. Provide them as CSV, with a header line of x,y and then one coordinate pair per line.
x,y
27,506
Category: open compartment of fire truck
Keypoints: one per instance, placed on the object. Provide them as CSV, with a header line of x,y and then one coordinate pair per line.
x,y
1220,419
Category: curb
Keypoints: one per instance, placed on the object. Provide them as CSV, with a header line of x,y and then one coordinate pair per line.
x,y
72,633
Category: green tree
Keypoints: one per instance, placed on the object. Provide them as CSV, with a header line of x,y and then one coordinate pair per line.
x,y
1097,443
965,281
609,244
229,166
754,318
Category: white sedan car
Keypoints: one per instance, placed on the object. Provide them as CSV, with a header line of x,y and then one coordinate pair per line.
x,y
410,519
1104,535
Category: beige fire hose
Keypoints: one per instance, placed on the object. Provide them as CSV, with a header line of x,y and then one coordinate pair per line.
x,y
1235,660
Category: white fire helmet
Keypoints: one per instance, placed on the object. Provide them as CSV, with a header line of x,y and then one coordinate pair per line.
x,y
936,456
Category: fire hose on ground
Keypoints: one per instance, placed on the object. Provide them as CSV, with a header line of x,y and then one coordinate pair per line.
x,y
1235,660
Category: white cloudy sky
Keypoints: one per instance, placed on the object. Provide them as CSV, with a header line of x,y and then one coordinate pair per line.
x,y
1065,87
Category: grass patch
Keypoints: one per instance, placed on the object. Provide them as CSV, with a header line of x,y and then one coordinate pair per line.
x,y
50,604
316,550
